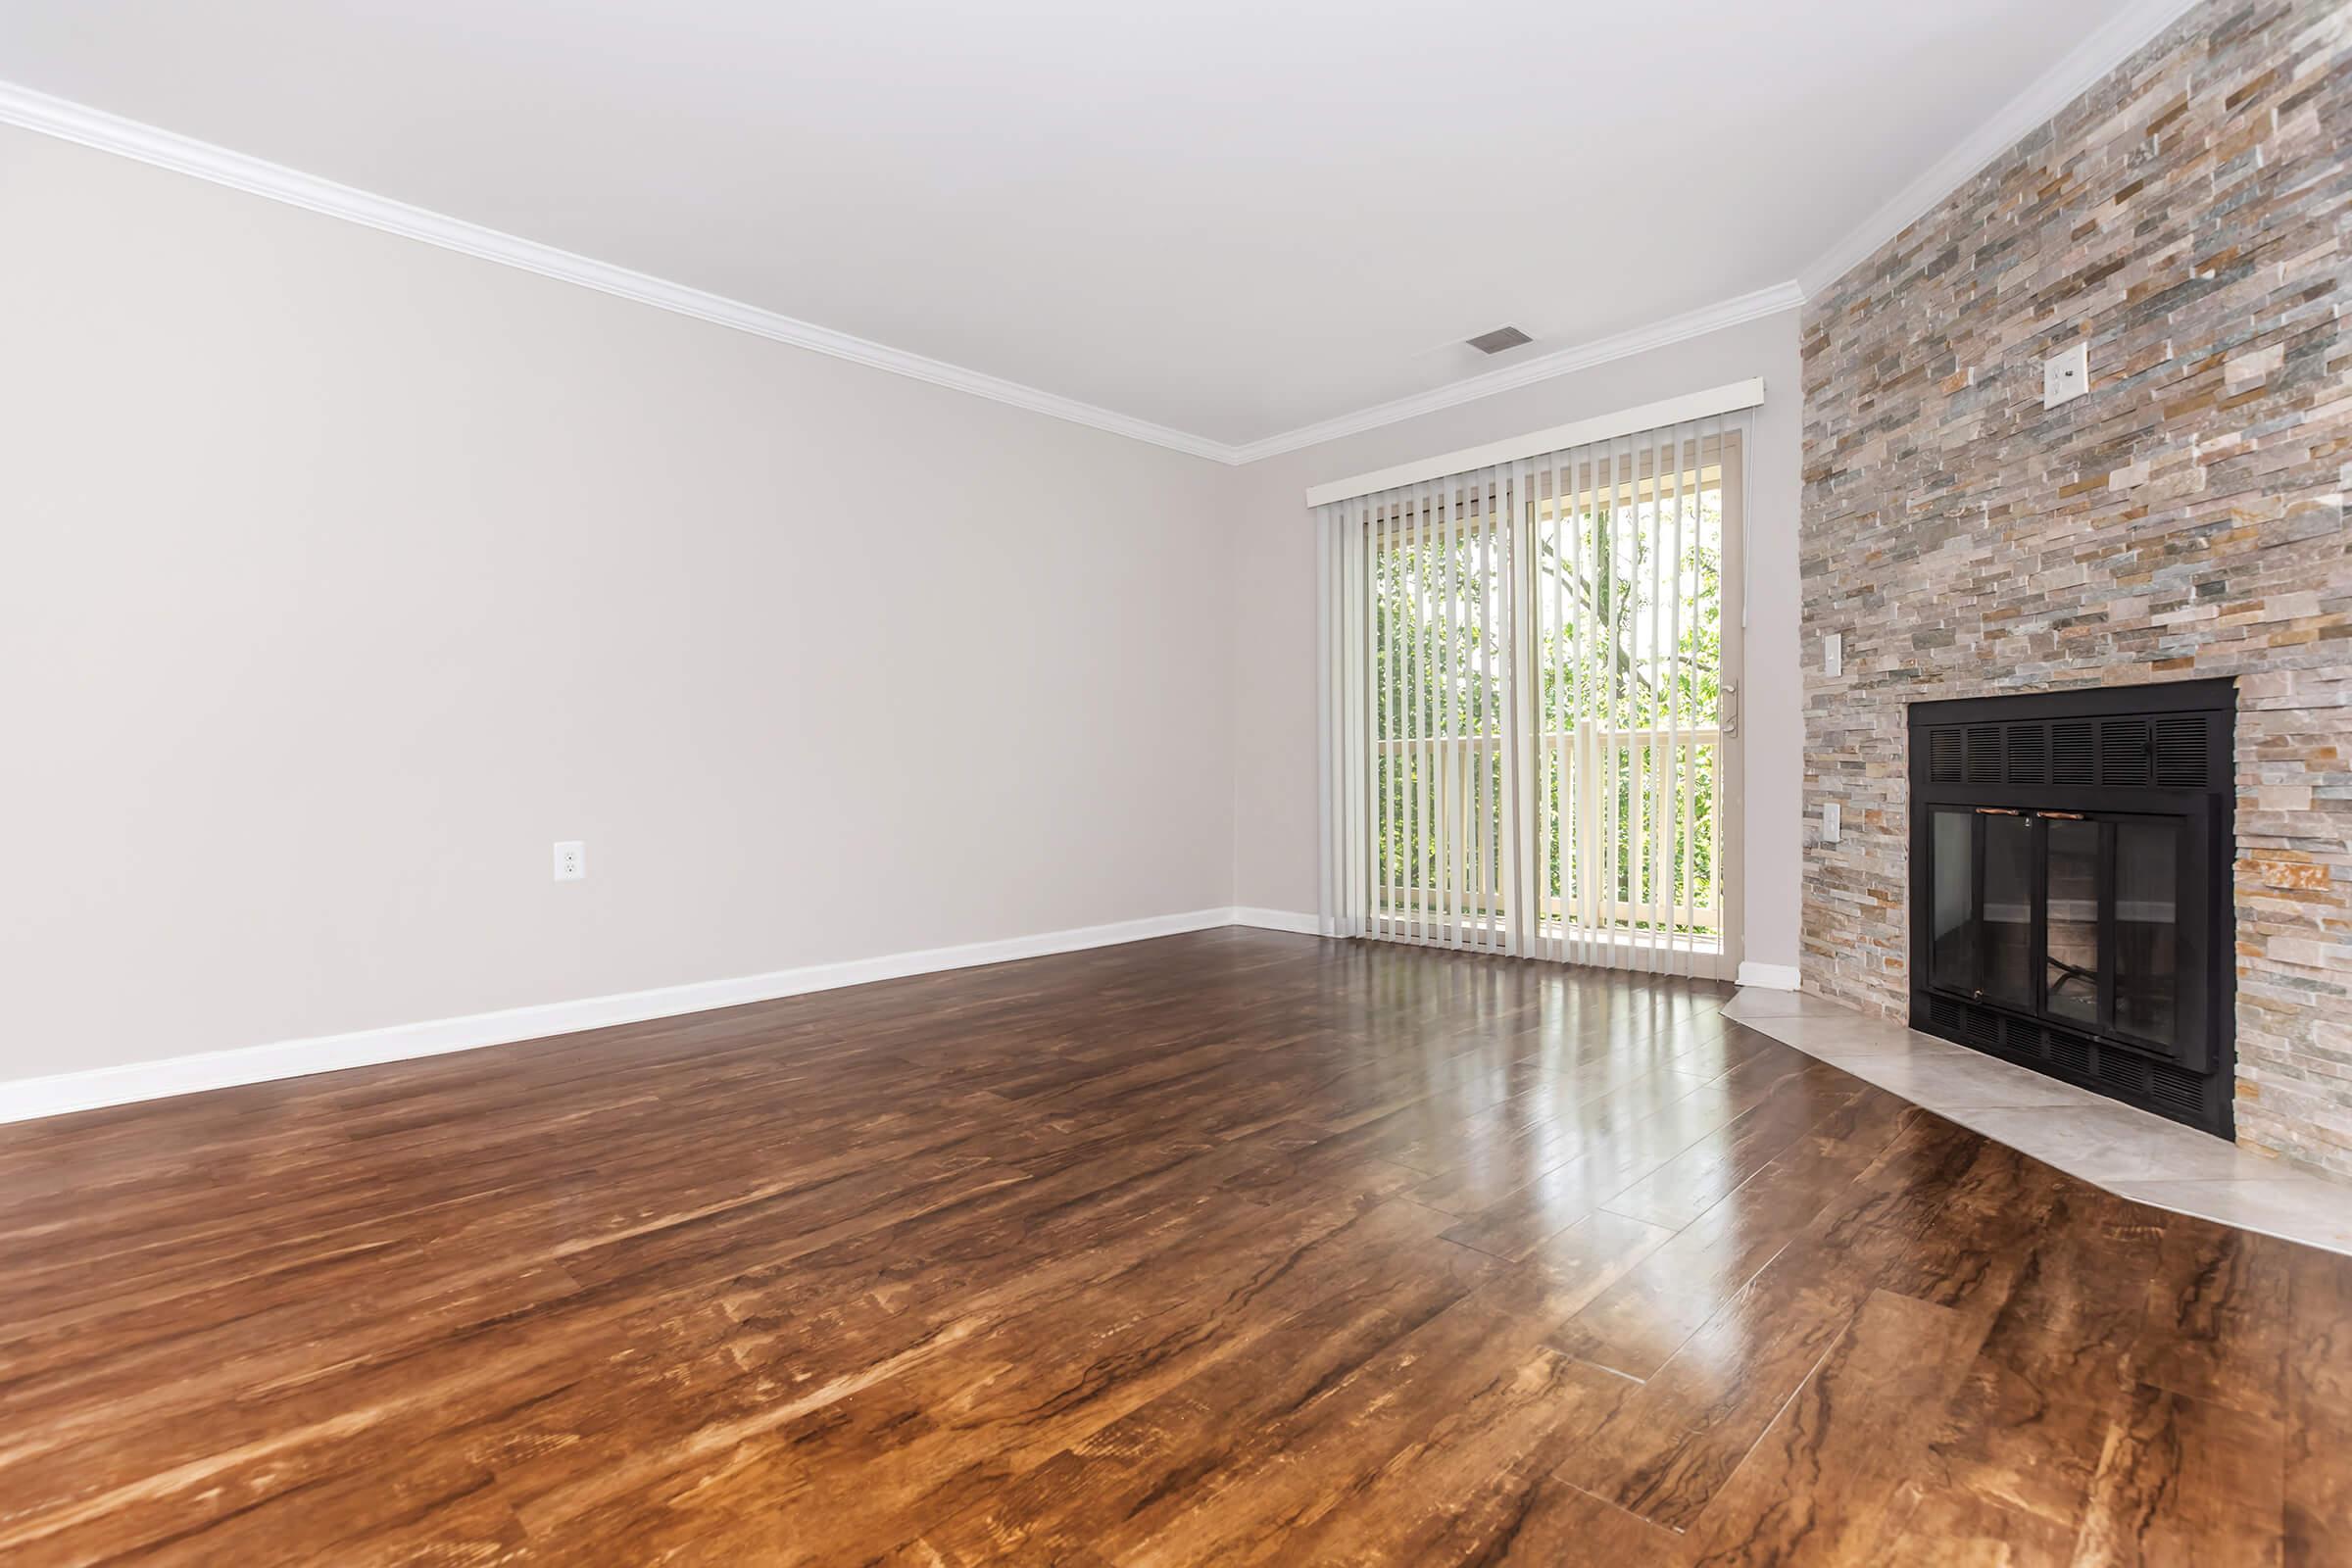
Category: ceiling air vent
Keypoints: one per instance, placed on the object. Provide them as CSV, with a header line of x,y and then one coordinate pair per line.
x,y
1503,337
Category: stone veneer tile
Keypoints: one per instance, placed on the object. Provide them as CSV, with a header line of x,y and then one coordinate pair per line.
x,y
2190,217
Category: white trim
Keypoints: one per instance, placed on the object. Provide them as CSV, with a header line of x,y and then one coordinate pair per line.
x,y
1544,367
27,1097
2115,41
1726,399
1770,976
2105,49
1279,920
149,144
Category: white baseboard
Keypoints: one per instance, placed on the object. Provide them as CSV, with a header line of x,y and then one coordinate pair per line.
x,y
52,1096
1278,921
1770,976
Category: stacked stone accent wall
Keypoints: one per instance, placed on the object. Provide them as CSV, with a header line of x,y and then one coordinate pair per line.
x,y
2190,218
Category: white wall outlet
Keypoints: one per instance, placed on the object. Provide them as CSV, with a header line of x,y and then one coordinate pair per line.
x,y
1828,821
1833,654
2066,376
571,860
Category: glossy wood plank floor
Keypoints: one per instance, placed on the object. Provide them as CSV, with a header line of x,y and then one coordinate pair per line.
x,y
1234,1247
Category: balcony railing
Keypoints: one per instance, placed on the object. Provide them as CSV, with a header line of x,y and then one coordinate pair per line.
x,y
1658,881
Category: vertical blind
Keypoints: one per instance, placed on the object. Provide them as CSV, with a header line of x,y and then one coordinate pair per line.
x,y
1530,704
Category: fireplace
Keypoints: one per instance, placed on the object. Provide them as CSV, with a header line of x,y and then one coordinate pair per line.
x,y
2070,888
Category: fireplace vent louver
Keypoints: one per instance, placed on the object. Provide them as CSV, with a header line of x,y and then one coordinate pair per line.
x,y
2127,1073
2181,751
2124,752
2071,750
2028,759
1943,756
2170,1086
1983,753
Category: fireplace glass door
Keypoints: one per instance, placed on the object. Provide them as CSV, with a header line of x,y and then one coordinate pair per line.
x,y
2071,968
2082,919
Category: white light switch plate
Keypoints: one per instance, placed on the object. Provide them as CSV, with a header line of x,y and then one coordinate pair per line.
x,y
1828,821
2066,376
1833,654
571,860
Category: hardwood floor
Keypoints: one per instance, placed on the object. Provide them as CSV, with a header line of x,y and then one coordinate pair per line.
x,y
1233,1248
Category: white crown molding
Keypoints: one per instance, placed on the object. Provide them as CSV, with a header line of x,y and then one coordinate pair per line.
x,y
2052,91
1544,367
24,1099
92,127
2076,71
149,144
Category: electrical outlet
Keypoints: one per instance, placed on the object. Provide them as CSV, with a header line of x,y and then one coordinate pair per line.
x,y
2066,376
571,860
1828,821
1833,654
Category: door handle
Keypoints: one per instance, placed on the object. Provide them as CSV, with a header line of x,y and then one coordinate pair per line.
x,y
1730,709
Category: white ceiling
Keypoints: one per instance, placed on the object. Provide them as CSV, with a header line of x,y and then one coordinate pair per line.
x,y
1232,219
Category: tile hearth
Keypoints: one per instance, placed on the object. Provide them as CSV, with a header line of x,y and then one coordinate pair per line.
x,y
2129,1151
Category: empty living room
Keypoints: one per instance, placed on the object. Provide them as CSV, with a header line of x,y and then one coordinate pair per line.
x,y
1147,783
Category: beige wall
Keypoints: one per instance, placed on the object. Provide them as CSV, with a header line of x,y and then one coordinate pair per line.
x,y
344,575
1274,626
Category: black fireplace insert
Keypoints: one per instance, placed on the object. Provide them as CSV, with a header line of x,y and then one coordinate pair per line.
x,y
2070,888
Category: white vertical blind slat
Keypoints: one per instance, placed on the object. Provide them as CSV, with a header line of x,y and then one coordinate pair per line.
x,y
1494,677
1447,720
1353,897
1584,481
1715,819
1476,806
1679,881
1509,881
1613,755
1567,680
1424,752
1561,864
1661,708
1405,534
1653,786
1384,619
1327,598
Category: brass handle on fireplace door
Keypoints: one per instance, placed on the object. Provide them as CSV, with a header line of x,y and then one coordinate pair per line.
x,y
2063,816
1998,811
1730,709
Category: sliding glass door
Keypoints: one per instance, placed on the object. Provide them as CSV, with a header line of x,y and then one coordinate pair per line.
x,y
1531,679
